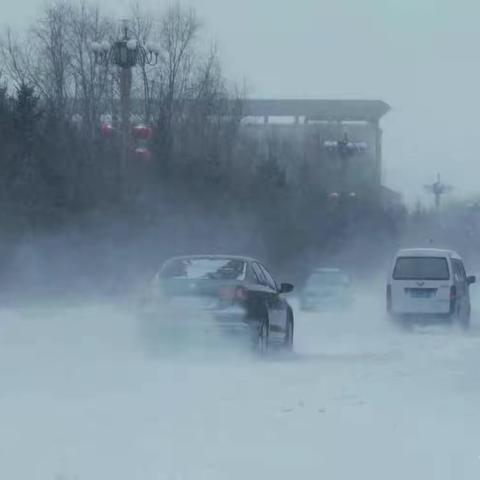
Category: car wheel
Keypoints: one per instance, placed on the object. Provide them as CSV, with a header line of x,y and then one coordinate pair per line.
x,y
264,337
288,342
464,319
456,317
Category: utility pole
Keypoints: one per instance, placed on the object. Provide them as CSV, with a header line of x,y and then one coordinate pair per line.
x,y
438,189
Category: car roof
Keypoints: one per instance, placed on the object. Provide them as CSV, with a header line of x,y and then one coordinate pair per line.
x,y
328,270
428,252
213,257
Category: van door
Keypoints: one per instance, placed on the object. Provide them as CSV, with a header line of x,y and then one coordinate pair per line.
x,y
461,286
421,285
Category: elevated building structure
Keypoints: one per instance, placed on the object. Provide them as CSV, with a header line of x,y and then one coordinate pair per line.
x,y
304,129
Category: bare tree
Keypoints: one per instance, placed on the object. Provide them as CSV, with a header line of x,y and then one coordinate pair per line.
x,y
143,31
14,59
49,43
179,30
86,24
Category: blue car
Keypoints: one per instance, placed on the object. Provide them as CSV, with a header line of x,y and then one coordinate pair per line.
x,y
327,289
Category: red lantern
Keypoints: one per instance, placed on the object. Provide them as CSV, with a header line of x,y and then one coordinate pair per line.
x,y
107,130
143,153
142,132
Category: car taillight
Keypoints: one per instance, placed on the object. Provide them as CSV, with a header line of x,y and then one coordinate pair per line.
x,y
233,294
241,294
453,292
389,298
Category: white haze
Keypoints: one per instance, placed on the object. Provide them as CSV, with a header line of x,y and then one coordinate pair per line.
x,y
82,399
420,57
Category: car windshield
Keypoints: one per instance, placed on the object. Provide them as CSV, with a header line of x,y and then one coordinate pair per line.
x,y
421,268
328,278
204,269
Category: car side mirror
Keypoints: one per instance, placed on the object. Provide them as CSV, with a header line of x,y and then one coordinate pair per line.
x,y
471,279
286,288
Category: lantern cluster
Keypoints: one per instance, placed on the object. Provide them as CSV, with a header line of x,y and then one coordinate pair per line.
x,y
107,130
336,196
125,52
142,134
344,147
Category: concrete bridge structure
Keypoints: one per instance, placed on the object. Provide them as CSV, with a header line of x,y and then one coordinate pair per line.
x,y
302,127
296,131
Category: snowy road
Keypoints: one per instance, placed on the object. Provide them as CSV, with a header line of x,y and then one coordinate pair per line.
x,y
358,399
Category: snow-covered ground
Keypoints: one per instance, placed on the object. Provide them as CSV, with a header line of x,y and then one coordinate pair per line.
x,y
79,399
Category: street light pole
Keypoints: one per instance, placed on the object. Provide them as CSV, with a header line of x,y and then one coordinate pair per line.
x,y
438,189
345,200
345,149
125,109
125,53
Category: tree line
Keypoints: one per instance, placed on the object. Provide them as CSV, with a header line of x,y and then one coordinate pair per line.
x,y
206,187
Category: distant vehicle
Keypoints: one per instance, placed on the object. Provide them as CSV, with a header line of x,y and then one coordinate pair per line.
x,y
327,289
237,294
429,284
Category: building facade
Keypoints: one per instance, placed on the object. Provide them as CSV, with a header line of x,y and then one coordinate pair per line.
x,y
307,129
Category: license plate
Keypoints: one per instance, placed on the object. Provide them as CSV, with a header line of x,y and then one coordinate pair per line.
x,y
421,293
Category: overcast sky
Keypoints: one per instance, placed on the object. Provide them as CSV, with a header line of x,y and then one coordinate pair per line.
x,y
420,56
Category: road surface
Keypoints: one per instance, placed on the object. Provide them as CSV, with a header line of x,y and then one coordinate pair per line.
x,y
80,399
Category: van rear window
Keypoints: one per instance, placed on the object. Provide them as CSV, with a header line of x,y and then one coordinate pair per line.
x,y
421,268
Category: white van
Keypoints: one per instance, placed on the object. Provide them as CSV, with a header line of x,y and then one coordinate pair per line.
x,y
429,282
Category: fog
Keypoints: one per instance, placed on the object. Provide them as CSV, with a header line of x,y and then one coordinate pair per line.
x,y
421,58
82,399
89,391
